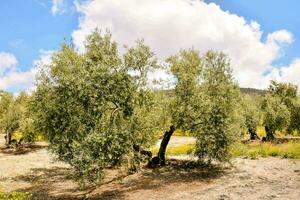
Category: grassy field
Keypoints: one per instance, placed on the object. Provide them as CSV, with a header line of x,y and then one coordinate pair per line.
x,y
260,130
254,150
251,150
15,196
37,137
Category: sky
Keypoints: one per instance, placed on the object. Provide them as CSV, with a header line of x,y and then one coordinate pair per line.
x,y
261,38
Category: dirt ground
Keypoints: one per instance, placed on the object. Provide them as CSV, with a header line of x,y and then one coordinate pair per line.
x,y
34,170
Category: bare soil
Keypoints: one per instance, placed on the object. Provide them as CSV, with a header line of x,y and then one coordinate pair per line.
x,y
33,169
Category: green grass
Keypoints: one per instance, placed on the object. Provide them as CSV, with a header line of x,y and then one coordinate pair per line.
x,y
181,133
252,150
38,137
296,133
17,135
15,196
179,150
261,131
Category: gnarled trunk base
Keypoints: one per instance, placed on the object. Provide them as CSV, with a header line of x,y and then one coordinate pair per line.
x,y
8,138
270,134
160,159
253,134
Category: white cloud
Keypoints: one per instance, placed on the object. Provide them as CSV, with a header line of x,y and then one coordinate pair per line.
x,y
280,36
44,58
12,76
291,73
24,80
169,25
288,73
58,7
7,61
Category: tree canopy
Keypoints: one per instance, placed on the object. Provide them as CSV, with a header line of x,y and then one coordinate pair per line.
x,y
280,108
13,114
206,102
94,107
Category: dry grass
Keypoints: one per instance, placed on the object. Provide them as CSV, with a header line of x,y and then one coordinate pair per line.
x,y
250,150
258,149
15,196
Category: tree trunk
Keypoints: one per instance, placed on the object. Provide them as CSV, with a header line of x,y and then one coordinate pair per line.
x,y
160,158
270,134
8,138
253,134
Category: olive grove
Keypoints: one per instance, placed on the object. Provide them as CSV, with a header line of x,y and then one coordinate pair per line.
x,y
97,108
15,116
98,111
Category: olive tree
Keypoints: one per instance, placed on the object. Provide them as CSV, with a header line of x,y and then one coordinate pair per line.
x,y
94,107
251,113
15,116
11,110
295,117
26,127
220,124
206,102
286,94
276,115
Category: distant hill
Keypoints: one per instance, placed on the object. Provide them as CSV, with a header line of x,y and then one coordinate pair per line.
x,y
253,91
250,91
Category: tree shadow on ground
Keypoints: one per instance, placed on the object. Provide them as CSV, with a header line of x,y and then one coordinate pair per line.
x,y
57,183
176,172
53,183
21,149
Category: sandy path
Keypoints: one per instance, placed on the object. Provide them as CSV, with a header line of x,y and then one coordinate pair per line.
x,y
36,171
265,178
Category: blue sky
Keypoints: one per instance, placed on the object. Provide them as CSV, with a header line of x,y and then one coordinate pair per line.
x,y
30,28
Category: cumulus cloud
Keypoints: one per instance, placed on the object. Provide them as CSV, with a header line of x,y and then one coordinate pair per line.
x,y
12,76
170,25
287,74
24,80
44,58
7,61
58,7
